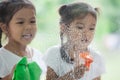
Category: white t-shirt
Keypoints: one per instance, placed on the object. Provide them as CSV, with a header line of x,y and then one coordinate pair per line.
x,y
53,59
9,59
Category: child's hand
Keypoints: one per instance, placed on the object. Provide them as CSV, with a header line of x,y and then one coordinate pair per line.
x,y
87,59
79,71
9,77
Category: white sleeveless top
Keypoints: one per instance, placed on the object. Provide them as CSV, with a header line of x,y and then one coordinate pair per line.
x,y
53,59
9,59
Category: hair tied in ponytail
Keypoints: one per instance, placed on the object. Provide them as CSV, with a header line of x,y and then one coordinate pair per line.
x,y
62,9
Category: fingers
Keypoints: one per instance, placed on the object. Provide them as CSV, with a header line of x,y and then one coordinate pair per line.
x,y
12,72
79,71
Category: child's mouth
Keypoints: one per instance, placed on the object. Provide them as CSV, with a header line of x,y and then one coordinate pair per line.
x,y
27,36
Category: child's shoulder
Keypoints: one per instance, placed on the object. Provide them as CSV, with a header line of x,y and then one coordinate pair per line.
x,y
55,47
93,51
1,49
96,54
53,51
4,52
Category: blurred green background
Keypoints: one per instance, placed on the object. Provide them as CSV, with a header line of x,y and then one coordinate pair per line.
x,y
107,37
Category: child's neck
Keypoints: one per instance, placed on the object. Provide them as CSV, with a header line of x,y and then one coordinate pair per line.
x,y
18,50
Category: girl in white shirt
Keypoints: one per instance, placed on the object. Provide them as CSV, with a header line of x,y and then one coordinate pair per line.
x,y
77,27
18,23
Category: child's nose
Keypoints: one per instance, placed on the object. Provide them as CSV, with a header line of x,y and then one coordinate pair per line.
x,y
28,27
84,34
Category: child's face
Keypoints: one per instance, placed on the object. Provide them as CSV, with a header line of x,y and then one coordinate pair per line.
x,y
22,27
81,31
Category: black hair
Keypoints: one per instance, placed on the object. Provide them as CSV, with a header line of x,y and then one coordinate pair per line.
x,y
71,11
8,8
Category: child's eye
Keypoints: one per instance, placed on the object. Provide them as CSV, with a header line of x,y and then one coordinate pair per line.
x,y
79,27
32,21
91,28
20,22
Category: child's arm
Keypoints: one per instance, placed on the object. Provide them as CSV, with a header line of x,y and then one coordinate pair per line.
x,y
51,75
76,74
8,77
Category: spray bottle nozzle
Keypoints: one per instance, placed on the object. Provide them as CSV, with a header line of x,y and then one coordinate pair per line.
x,y
88,59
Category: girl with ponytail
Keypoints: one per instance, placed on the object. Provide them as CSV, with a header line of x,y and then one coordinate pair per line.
x,y
73,59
